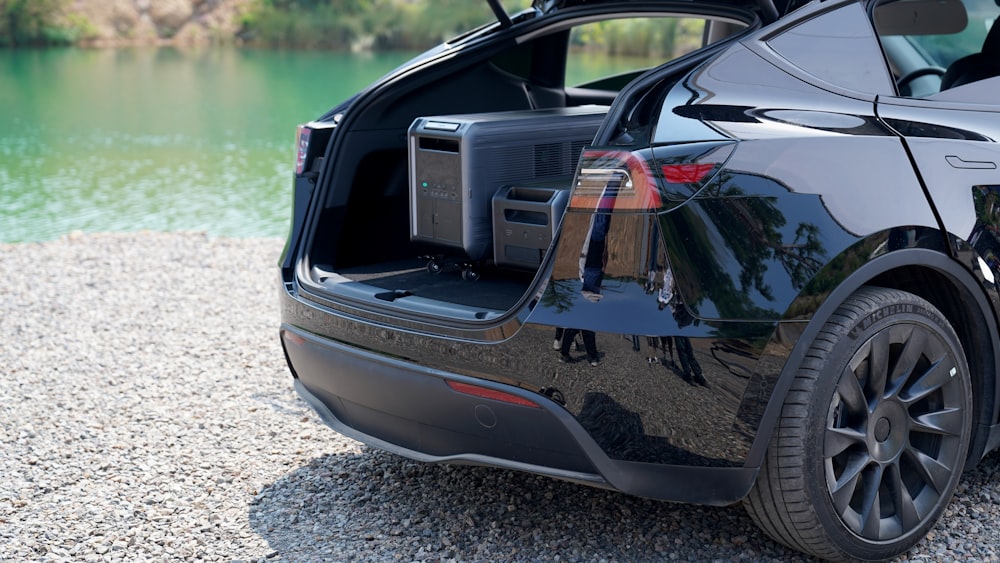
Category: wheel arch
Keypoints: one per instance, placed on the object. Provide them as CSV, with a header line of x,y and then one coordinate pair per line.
x,y
942,281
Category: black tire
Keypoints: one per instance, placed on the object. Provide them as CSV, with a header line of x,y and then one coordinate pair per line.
x,y
435,267
873,434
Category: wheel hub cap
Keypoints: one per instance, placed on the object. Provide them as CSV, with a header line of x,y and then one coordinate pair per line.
x,y
882,429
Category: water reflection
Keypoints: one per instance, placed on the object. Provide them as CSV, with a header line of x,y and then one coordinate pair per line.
x,y
160,139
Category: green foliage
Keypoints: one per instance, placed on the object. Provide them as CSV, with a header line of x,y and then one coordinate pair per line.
x,y
76,27
666,38
331,24
419,24
34,22
358,25
376,24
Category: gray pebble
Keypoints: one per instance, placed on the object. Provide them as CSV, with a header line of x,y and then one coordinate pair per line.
x,y
147,414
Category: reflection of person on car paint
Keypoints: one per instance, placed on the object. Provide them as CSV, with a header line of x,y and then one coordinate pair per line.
x,y
665,293
593,258
691,369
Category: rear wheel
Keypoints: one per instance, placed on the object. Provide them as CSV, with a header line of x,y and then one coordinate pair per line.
x,y
873,433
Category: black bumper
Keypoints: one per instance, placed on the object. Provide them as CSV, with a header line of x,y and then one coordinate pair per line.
x,y
411,410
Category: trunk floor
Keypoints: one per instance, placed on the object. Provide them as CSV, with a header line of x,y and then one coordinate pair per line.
x,y
496,289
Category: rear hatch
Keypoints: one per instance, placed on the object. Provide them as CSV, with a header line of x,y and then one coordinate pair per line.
x,y
435,197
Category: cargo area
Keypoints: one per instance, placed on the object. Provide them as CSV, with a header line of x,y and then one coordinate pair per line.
x,y
438,193
496,290
466,213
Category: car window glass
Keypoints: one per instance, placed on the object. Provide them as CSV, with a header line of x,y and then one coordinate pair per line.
x,y
925,39
838,47
604,49
944,46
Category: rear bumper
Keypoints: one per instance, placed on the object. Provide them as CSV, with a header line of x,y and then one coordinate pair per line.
x,y
354,392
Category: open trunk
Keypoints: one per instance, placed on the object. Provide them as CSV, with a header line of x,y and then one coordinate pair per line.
x,y
460,223
439,191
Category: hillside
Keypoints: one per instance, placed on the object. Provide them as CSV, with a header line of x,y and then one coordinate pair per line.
x,y
156,21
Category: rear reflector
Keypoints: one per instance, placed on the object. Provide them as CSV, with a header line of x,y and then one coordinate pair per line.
x,y
486,393
302,134
292,338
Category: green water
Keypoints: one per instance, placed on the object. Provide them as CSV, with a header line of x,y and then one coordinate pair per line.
x,y
124,140
160,139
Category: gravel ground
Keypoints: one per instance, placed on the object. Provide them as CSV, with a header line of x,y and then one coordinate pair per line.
x,y
147,415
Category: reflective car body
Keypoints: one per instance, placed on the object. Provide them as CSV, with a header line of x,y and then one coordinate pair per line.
x,y
722,233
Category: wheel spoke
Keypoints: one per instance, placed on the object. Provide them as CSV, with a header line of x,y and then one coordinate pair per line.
x,y
947,422
839,439
850,391
939,374
913,350
906,510
878,364
843,491
933,471
871,509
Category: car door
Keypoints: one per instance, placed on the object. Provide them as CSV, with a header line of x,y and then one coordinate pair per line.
x,y
954,145
952,137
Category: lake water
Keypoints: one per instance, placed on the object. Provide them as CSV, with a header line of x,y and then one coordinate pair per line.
x,y
167,139
160,139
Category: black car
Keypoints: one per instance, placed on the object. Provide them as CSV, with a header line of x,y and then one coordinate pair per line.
x,y
763,270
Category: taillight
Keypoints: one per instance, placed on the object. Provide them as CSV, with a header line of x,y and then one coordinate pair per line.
x,y
646,180
302,135
614,180
686,173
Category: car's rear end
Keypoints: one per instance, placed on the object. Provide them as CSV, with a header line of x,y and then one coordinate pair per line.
x,y
732,282
572,353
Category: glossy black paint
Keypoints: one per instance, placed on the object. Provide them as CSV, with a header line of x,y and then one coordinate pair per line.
x,y
637,403
956,151
599,440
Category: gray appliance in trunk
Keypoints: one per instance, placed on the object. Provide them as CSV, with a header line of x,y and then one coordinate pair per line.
x,y
457,163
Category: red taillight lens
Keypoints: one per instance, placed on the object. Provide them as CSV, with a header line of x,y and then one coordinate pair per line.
x,y
302,134
686,173
487,393
648,180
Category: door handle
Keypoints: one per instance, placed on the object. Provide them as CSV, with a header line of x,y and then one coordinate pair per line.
x,y
958,162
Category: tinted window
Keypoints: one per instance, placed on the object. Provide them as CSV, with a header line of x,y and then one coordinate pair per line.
x,y
945,48
928,37
838,47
